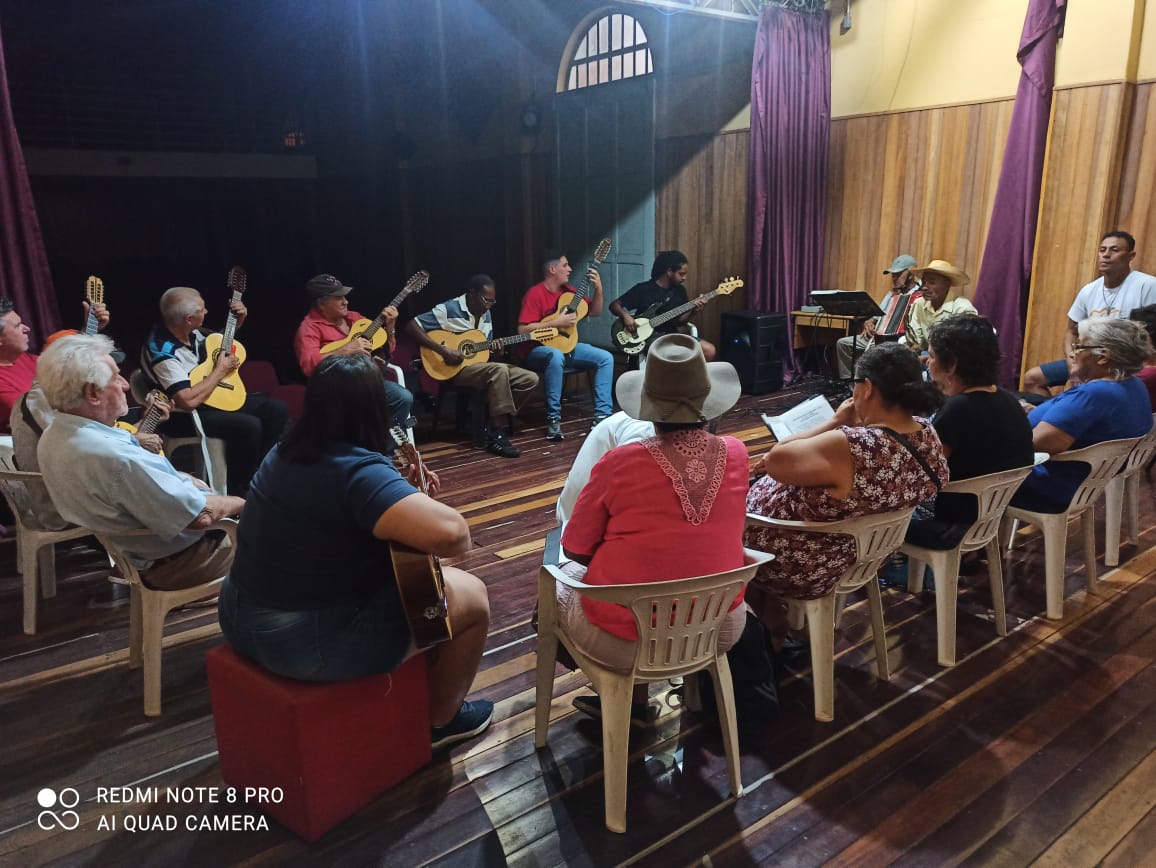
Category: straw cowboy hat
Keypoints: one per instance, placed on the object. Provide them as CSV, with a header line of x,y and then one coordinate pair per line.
x,y
942,266
678,385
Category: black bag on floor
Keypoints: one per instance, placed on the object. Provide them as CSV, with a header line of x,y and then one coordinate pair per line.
x,y
752,665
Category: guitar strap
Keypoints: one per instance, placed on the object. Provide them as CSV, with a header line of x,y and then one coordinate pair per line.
x,y
28,418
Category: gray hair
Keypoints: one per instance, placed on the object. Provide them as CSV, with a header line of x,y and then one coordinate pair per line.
x,y
178,302
1124,342
71,364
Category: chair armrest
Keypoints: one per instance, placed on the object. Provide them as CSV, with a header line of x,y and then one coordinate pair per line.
x,y
756,520
20,475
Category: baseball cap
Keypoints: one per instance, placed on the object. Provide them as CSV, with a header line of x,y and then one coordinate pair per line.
x,y
901,263
324,285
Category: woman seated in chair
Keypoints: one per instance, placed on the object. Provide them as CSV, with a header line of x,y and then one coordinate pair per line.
x,y
668,507
312,594
983,428
876,455
1109,403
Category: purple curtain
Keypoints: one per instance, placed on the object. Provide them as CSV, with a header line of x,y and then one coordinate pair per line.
x,y
787,175
24,274
1002,287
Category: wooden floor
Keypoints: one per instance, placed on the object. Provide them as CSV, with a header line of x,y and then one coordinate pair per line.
x,y
1034,748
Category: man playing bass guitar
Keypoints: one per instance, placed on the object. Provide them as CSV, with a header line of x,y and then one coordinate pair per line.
x,y
667,289
540,309
507,387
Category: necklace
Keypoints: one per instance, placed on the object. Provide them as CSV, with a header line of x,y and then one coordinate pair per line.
x,y
1109,302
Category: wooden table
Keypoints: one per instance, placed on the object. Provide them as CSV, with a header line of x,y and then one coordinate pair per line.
x,y
822,328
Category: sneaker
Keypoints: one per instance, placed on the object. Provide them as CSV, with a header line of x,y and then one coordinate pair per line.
x,y
641,714
554,429
472,719
598,418
499,444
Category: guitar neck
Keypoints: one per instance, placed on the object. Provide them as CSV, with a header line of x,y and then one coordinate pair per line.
x,y
498,343
148,424
92,324
680,310
379,320
230,327
580,295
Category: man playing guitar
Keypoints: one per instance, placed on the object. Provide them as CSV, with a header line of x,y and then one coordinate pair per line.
x,y
329,320
507,387
539,310
667,285
172,350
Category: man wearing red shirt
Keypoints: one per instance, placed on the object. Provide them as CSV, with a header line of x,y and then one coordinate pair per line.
x,y
539,310
328,320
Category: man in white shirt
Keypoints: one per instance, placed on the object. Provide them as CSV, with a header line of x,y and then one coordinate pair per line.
x,y
1115,293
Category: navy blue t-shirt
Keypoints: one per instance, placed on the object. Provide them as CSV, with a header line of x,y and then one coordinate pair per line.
x,y
1092,412
306,541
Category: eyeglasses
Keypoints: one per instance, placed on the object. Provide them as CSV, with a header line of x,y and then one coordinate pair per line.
x,y
860,380
489,302
1077,347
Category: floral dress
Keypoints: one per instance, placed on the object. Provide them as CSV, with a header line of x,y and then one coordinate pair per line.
x,y
886,477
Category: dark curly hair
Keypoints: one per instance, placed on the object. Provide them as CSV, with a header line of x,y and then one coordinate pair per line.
x,y
967,341
344,403
1145,315
895,371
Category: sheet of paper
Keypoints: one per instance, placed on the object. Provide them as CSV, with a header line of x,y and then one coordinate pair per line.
x,y
802,417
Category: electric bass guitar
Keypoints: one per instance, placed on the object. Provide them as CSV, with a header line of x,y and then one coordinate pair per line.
x,y
93,294
155,405
230,392
575,302
646,322
473,348
419,575
372,329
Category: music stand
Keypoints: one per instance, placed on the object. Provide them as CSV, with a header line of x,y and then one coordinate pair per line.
x,y
848,302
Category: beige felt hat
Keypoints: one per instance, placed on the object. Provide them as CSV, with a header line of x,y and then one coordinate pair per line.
x,y
942,266
678,385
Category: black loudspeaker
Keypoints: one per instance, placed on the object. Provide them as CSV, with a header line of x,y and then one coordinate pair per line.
x,y
755,343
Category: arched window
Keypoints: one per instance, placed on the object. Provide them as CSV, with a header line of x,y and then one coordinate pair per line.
x,y
614,47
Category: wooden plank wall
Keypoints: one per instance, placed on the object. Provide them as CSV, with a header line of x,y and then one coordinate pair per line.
x,y
919,182
701,208
1079,202
1138,179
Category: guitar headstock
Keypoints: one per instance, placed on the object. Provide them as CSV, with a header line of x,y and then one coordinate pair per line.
x,y
405,445
602,251
416,283
94,290
157,398
543,334
729,285
237,279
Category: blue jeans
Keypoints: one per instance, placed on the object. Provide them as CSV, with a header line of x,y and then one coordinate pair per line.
x,y
549,362
340,643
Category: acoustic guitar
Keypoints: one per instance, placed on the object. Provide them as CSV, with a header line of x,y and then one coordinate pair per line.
x,y
575,302
93,294
419,575
473,348
230,392
646,322
155,405
372,329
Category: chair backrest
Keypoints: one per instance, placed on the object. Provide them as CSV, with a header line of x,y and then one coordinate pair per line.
x,y
1143,451
12,486
994,491
1104,461
678,621
877,537
139,386
259,376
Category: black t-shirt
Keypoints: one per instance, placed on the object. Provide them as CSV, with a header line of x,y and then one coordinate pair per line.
x,y
642,295
987,432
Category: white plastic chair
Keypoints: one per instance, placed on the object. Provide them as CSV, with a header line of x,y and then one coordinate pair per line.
x,y
149,608
212,449
35,544
877,537
993,491
1123,490
678,627
1104,460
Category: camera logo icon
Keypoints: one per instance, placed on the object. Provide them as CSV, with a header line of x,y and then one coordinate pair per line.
x,y
66,819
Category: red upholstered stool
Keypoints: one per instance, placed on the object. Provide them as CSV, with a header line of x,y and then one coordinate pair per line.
x,y
332,748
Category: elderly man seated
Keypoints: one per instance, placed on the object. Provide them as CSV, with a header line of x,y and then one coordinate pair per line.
x,y
942,283
99,477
